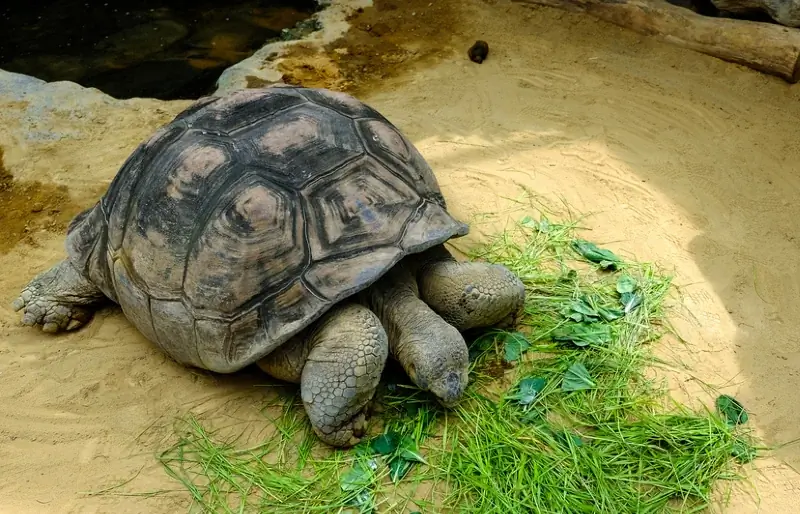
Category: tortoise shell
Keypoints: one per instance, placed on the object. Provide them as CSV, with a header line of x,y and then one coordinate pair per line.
x,y
248,216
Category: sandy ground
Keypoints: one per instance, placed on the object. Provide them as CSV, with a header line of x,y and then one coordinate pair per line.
x,y
686,160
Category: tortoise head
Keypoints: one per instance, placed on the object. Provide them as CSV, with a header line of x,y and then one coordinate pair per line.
x,y
440,364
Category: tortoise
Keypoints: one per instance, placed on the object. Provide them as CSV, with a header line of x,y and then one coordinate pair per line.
x,y
292,228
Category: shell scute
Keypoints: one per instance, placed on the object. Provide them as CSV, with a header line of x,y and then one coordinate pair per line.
x,y
340,102
360,206
252,243
305,143
385,144
243,109
162,222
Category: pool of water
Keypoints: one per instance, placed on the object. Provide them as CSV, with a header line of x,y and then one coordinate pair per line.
x,y
140,48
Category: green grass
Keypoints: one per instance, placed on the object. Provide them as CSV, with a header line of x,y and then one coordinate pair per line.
x,y
560,415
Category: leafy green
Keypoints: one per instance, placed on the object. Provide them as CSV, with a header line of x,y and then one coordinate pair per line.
x,y
409,450
610,314
399,468
515,345
730,409
527,390
626,284
582,334
361,475
630,301
543,225
385,444
588,309
577,379
589,251
743,452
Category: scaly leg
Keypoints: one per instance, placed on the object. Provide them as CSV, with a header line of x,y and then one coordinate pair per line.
x,y
59,299
468,294
338,363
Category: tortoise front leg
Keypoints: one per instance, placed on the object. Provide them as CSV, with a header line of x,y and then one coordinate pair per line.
x,y
59,299
338,364
468,294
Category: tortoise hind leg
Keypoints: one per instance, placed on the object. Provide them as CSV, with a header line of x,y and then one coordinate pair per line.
x,y
342,358
468,294
58,299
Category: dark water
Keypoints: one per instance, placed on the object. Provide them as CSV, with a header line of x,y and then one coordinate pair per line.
x,y
140,48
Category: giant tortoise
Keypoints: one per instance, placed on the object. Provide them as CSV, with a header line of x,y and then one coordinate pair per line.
x,y
290,227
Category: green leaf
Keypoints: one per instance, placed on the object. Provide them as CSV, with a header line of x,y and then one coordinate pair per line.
x,y
361,475
630,301
409,450
609,265
544,224
577,378
733,411
515,345
364,500
399,468
743,452
582,334
582,307
589,251
528,222
626,284
385,444
528,389
576,316
610,314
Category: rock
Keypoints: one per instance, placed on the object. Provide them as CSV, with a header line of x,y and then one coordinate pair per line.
x,y
43,105
785,12
325,26
66,134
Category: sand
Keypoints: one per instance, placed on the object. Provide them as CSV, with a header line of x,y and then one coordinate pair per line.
x,y
686,160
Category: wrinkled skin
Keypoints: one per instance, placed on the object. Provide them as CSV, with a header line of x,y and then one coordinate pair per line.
x,y
415,313
421,304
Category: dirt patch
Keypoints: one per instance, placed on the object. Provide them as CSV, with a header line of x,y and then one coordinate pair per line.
x,y
31,207
386,40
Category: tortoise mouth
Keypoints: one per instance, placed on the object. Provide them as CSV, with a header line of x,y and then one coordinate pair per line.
x,y
450,389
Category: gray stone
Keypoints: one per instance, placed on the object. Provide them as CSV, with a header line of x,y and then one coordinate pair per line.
x,y
785,12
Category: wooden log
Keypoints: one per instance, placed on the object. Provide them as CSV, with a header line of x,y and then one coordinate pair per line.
x,y
765,47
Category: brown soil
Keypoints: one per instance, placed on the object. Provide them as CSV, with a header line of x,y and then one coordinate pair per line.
x,y
31,207
386,40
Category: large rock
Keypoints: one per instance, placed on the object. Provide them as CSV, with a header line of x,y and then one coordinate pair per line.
x,y
785,12
262,67
65,134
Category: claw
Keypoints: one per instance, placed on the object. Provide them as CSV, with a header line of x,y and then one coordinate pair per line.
x,y
29,319
18,304
58,299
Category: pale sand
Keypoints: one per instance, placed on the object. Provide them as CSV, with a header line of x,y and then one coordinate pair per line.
x,y
688,161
